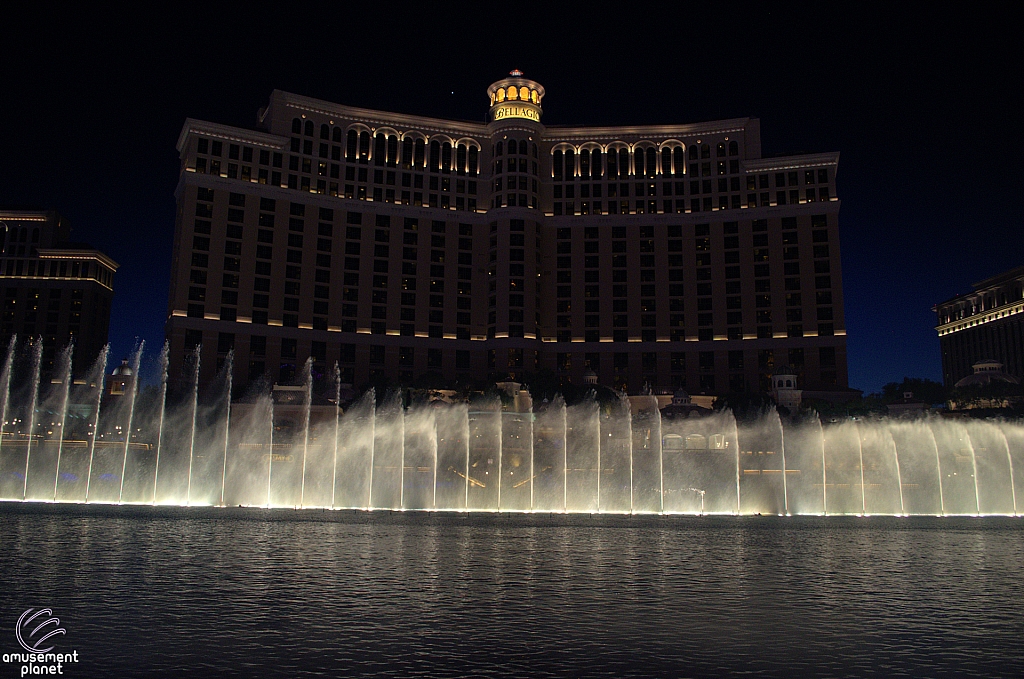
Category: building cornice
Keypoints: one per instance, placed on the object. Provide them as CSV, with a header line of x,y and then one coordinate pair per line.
x,y
996,314
558,133
379,118
75,253
781,163
23,215
228,133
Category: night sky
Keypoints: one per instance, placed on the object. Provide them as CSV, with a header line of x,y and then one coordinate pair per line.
x,y
924,108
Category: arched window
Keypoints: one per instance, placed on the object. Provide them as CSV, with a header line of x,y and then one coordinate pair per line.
x,y
309,128
613,169
420,153
694,152
378,148
534,150
460,159
336,135
513,94
638,162
325,131
364,147
522,147
570,164
533,96
595,164
720,149
350,146
652,163
666,161
524,93
556,165
296,126
499,148
392,151
734,148
585,164
446,157
512,147
474,159
407,153
435,156
680,161
500,94
705,151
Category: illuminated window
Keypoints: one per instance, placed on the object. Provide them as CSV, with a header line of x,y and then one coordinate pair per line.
x,y
533,96
364,146
513,93
351,146
613,164
638,162
501,94
524,93
460,159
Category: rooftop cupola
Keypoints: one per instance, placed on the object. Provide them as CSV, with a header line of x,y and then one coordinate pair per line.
x,y
515,97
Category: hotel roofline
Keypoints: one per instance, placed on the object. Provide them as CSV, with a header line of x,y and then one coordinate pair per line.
x,y
550,133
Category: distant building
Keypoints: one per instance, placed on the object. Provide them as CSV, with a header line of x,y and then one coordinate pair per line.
x,y
987,324
908,406
995,388
53,288
398,245
121,380
784,388
682,406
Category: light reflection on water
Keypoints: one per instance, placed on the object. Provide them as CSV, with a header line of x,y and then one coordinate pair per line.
x,y
148,591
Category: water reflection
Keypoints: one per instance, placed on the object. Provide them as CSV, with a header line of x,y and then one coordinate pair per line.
x,y
272,593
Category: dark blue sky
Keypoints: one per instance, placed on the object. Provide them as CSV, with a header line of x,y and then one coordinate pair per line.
x,y
923,107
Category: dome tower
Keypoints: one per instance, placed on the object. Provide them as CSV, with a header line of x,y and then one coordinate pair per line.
x,y
515,98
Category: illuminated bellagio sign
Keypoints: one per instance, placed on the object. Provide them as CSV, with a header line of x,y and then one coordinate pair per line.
x,y
527,111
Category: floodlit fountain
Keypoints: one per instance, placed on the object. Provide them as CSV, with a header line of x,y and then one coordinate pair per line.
x,y
64,441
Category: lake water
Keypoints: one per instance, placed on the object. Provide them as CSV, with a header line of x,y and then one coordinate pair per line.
x,y
157,591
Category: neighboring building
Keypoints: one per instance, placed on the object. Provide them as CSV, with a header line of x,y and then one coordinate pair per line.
x,y
908,406
121,380
992,387
987,324
399,245
683,406
784,388
53,288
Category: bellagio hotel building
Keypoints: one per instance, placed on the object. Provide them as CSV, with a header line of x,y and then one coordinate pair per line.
x,y
398,246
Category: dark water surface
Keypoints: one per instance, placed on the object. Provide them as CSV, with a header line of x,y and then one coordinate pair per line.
x,y
148,591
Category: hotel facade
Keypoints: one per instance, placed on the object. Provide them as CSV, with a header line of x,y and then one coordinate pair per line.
x,y
986,324
53,290
406,248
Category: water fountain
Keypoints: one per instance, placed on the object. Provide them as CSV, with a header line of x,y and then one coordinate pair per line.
x,y
64,441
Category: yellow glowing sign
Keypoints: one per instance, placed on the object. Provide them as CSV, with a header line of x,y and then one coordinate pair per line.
x,y
517,111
